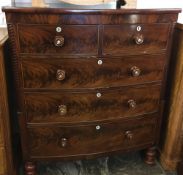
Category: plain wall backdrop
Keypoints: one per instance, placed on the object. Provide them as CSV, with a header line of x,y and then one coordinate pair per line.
x,y
162,4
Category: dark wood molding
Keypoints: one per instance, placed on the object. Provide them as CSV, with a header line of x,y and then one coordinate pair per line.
x,y
88,11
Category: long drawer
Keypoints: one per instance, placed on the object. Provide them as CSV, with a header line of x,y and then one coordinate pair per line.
x,y
94,105
135,39
92,73
62,40
67,141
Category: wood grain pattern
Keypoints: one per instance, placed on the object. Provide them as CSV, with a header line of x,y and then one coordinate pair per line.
x,y
3,161
54,10
6,153
105,17
87,73
171,150
119,40
89,35
79,39
87,140
87,107
2,133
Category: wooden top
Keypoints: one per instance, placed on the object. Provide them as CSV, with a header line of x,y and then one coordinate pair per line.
x,y
80,9
3,36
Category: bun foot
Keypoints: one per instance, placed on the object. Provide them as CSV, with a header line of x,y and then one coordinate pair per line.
x,y
150,156
30,168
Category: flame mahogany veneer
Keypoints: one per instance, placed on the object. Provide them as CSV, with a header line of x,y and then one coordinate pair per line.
x,y
89,82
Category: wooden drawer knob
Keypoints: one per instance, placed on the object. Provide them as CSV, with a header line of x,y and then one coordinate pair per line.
x,y
135,71
59,41
60,75
64,142
129,135
139,39
62,110
132,104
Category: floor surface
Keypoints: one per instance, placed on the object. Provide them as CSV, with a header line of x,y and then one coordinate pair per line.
x,y
125,164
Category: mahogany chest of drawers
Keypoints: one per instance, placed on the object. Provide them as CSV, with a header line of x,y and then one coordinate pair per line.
x,y
89,82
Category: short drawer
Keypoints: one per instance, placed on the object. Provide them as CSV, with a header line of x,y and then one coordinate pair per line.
x,y
69,141
94,105
69,40
92,73
135,39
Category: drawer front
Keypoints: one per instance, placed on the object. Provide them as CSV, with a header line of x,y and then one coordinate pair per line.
x,y
72,40
135,39
76,107
92,73
47,142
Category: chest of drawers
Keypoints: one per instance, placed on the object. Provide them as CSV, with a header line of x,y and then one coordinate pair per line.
x,y
89,82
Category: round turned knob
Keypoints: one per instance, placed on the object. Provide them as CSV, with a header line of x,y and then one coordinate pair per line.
x,y
135,71
132,104
139,39
62,109
64,142
129,135
60,75
59,41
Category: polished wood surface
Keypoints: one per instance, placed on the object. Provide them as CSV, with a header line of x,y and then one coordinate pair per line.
x,y
20,8
180,163
78,39
6,155
89,82
4,108
90,139
91,73
120,40
171,150
30,168
91,106
84,39
88,19
150,156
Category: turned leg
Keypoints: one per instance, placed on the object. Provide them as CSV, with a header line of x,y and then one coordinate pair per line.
x,y
30,168
150,156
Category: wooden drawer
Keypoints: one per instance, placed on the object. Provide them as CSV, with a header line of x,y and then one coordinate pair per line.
x,y
89,73
94,105
41,39
125,39
66,141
